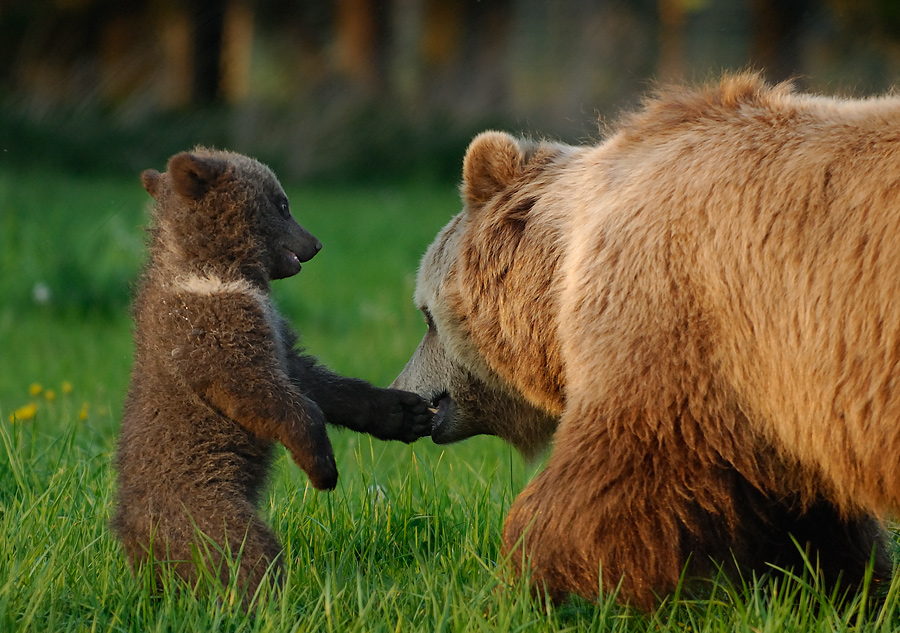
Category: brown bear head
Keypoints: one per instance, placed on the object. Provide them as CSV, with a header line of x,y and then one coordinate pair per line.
x,y
486,360
222,211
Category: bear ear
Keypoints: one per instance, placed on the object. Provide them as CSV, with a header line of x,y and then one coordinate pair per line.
x,y
192,176
150,178
492,162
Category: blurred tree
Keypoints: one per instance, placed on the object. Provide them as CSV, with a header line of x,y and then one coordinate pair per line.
x,y
237,51
698,36
874,16
361,40
316,77
777,26
58,50
671,63
208,26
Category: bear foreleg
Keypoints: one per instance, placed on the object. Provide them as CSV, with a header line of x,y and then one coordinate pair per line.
x,y
632,501
568,541
387,414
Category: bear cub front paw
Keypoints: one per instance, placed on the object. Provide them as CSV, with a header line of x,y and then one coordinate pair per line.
x,y
405,416
308,443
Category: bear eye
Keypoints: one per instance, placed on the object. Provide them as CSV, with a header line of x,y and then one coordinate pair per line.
x,y
429,320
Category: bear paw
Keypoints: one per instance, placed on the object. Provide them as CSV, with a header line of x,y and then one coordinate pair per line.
x,y
405,417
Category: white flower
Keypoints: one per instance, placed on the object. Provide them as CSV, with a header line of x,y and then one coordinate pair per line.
x,y
40,294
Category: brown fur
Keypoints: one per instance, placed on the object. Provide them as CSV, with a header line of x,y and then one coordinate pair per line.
x,y
705,305
216,378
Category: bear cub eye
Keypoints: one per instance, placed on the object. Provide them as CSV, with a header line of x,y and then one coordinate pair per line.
x,y
283,207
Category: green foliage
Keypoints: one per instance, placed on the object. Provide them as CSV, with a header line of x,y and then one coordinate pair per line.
x,y
409,541
347,140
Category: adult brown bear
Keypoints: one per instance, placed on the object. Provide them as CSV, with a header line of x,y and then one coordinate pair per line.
x,y
702,312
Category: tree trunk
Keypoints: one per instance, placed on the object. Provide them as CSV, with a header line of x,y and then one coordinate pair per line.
x,y
208,24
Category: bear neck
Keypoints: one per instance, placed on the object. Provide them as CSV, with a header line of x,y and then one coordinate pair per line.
x,y
198,256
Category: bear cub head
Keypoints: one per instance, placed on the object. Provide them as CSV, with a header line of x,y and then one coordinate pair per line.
x,y
228,214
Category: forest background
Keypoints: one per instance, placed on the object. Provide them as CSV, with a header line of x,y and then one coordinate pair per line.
x,y
387,88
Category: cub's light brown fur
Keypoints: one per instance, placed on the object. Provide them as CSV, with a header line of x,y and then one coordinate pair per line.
x,y
217,379
705,309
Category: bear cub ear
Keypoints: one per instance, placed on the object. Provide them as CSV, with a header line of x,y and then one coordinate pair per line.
x,y
493,161
150,178
192,176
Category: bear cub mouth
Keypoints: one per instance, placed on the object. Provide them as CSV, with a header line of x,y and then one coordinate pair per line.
x,y
292,257
290,262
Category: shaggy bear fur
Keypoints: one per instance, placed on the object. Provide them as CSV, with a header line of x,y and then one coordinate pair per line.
x,y
703,313
216,379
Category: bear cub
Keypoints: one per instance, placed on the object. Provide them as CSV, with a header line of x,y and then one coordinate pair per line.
x,y
217,379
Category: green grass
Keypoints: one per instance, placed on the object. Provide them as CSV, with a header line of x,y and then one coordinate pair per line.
x,y
409,541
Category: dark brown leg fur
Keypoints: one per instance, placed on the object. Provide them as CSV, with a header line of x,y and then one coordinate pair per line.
x,y
780,534
240,379
634,513
564,551
188,538
644,514
387,414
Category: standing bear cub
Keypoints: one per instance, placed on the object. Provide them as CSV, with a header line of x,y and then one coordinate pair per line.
x,y
703,313
216,378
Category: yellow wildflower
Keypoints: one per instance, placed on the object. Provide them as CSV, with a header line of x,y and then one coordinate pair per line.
x,y
24,413
35,389
83,414
50,395
66,388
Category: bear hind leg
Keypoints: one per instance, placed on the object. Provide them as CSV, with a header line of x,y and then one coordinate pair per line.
x,y
242,543
842,550
200,547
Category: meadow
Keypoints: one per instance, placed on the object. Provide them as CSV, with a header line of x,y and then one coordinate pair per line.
x,y
409,540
